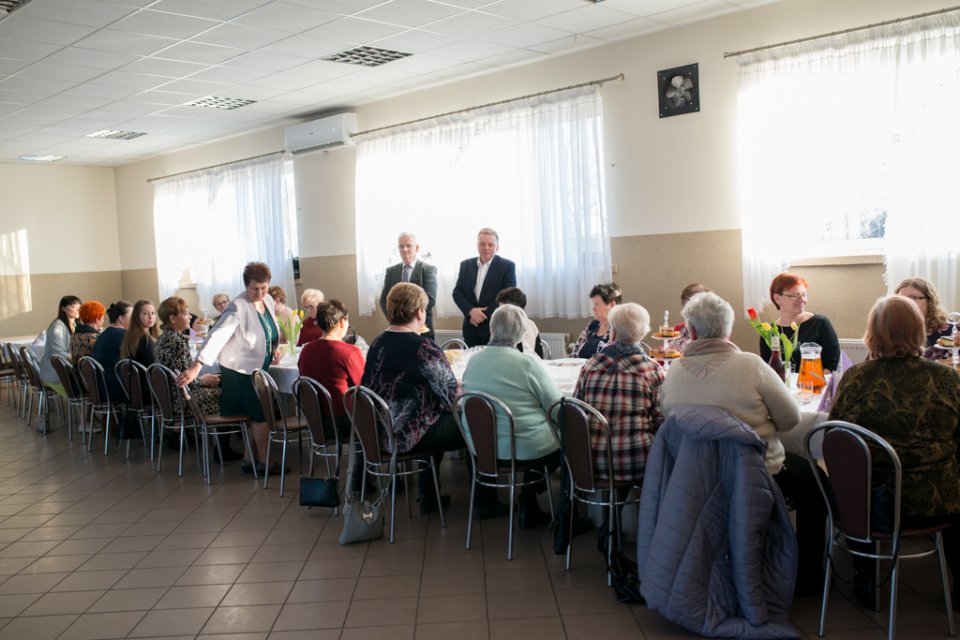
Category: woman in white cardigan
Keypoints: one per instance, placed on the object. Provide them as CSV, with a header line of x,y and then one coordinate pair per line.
x,y
243,339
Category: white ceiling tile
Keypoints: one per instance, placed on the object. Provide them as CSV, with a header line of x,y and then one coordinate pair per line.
x,y
88,58
586,19
7,108
250,92
32,85
410,13
302,98
530,10
283,82
165,25
525,35
285,17
162,67
240,35
127,109
305,47
571,43
266,61
751,3
125,43
339,87
196,87
462,71
91,13
514,57
91,90
228,74
646,7
355,30
9,67
693,12
137,81
415,41
24,50
45,71
214,9
46,31
384,74
323,70
468,4
470,50
630,29
167,98
135,3
157,122
345,7
471,24
199,52
423,63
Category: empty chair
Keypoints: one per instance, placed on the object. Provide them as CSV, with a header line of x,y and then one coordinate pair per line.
x,y
101,404
371,420
76,400
22,381
476,414
280,429
212,426
8,375
858,529
132,377
163,384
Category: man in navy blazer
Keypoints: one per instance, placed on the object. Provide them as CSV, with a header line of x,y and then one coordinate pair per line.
x,y
478,283
423,275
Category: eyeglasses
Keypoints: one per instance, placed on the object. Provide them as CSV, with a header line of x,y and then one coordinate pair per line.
x,y
794,296
915,298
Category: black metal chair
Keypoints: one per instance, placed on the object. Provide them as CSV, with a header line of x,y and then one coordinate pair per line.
x,y
28,361
281,429
101,405
371,418
76,399
8,374
163,384
22,381
133,379
848,452
476,415
316,407
213,426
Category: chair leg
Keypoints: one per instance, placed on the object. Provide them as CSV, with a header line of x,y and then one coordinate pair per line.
x,y
513,507
827,575
473,497
436,487
945,582
206,452
393,505
573,504
106,432
283,464
894,578
266,462
183,441
546,480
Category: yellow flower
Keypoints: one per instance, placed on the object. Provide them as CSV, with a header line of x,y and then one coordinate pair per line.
x,y
793,325
765,325
301,314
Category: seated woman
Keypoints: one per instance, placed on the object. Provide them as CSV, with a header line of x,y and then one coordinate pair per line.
x,y
924,294
623,384
106,350
173,352
332,362
59,335
220,302
87,331
788,291
530,341
523,385
309,300
914,404
140,340
283,313
714,372
413,377
597,334
688,292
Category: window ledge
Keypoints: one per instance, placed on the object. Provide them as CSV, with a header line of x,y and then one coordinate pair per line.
x,y
871,258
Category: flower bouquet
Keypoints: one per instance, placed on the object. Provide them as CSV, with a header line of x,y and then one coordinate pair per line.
x,y
291,330
767,331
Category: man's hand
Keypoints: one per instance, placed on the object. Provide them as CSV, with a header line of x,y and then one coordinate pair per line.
x,y
477,316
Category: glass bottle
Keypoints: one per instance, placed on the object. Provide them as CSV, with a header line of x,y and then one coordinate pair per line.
x,y
775,362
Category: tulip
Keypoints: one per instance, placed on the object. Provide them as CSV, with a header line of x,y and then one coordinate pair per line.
x,y
793,325
765,325
752,313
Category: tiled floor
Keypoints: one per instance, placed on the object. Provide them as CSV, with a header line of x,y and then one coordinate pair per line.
x,y
94,547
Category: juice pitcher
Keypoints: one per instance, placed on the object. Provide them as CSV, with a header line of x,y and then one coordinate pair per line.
x,y
811,367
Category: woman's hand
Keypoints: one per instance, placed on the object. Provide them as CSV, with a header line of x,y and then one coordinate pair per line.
x,y
276,357
210,380
189,375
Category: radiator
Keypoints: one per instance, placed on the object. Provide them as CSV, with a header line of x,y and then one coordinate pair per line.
x,y
555,344
854,348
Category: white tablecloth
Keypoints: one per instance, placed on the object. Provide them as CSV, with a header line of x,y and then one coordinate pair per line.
x,y
28,341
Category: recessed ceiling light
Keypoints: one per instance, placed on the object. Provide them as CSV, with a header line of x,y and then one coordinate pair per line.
x,y
214,102
115,135
367,56
9,6
37,157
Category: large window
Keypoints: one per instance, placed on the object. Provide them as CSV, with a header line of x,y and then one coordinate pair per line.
x,y
532,170
210,223
848,144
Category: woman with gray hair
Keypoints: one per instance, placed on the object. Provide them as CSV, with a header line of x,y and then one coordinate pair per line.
x,y
714,372
522,383
623,384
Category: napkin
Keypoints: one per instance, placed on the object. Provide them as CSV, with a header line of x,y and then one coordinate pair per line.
x,y
826,399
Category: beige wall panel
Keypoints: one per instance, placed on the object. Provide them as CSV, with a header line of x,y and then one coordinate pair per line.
x,y
844,293
140,283
36,306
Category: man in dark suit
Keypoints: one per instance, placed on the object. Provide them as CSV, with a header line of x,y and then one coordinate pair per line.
x,y
478,283
411,270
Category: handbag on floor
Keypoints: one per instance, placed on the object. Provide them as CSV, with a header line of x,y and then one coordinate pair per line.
x,y
319,492
362,519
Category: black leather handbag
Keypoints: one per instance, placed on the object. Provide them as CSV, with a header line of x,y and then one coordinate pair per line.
x,y
319,492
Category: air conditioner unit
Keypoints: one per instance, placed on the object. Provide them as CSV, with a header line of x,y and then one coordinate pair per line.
x,y
325,133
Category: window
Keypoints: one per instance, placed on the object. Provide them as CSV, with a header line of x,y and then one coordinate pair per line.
x,y
210,223
846,146
532,170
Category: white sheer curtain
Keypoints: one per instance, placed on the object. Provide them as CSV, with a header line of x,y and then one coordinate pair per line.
x,y
212,222
842,136
532,170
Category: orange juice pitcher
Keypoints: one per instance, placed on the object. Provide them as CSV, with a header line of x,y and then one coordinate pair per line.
x,y
811,367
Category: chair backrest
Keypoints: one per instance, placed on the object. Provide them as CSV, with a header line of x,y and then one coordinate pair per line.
x,y
67,375
849,493
133,380
269,396
162,382
5,352
575,415
28,360
193,406
91,373
315,404
476,415
454,343
369,414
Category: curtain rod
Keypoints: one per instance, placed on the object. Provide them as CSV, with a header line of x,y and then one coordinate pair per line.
x,y
217,166
619,76
842,32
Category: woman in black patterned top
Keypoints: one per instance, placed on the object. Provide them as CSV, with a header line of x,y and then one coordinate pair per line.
x,y
173,351
596,335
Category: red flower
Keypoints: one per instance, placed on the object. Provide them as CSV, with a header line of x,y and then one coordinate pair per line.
x,y
753,314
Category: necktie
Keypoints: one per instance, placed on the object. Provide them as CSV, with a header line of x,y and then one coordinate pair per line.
x,y
406,272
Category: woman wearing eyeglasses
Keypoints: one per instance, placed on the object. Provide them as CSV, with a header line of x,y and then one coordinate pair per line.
x,y
924,295
788,291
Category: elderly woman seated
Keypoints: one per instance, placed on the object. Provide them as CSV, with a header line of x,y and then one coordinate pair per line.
x,y
310,299
714,372
623,384
523,385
